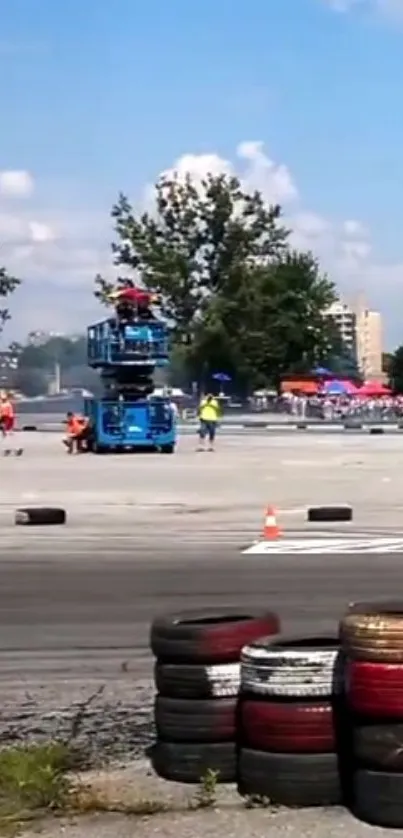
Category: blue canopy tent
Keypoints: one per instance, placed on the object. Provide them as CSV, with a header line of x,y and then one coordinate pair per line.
x,y
336,388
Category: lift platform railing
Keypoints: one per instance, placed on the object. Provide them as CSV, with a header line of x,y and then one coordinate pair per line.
x,y
129,345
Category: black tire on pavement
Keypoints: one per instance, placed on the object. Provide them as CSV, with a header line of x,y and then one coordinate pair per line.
x,y
378,798
183,720
188,763
376,431
290,779
29,428
378,746
209,635
39,516
176,680
330,513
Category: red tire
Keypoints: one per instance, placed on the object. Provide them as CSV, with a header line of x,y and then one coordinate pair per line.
x,y
375,689
288,728
209,636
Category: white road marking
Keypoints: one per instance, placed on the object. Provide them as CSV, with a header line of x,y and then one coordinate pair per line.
x,y
327,545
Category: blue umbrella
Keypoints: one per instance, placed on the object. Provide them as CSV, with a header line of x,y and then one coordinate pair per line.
x,y
320,371
335,388
221,376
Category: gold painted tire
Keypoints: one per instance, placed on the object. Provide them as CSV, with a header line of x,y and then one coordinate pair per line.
x,y
371,631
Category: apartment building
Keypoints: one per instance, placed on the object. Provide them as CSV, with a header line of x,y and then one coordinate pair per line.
x,y
361,331
369,344
346,321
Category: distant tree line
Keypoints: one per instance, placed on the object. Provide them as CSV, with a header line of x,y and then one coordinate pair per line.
x,y
38,365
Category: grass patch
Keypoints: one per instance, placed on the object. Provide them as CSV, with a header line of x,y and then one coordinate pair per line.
x,y
33,780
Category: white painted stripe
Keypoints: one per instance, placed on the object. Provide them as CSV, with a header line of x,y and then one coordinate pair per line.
x,y
328,545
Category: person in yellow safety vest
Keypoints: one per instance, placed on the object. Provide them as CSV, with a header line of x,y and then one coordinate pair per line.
x,y
209,414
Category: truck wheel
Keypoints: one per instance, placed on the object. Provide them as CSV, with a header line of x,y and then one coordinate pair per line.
x,y
98,449
167,449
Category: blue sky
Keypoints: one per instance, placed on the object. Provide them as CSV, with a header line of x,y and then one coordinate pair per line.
x,y
100,97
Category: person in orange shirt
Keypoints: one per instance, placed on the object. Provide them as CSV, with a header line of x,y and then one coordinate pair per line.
x,y
77,432
7,414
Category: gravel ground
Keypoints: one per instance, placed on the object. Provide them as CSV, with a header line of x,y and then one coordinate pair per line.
x,y
332,823
116,725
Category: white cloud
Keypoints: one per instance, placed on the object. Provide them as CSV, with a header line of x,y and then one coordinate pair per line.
x,y
16,184
258,172
41,233
392,9
354,229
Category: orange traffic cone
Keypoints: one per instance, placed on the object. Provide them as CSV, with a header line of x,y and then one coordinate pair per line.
x,y
270,530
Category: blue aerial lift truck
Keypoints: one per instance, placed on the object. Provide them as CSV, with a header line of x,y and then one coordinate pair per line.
x,y
128,417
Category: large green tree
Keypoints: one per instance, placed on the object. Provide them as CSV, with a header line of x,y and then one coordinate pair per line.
x,y
194,242
8,284
237,295
396,370
271,324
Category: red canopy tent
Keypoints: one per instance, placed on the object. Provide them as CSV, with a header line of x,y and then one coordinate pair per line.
x,y
351,389
374,389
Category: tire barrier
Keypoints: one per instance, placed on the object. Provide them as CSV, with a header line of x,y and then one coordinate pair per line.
x,y
39,516
288,751
321,514
301,722
197,676
372,639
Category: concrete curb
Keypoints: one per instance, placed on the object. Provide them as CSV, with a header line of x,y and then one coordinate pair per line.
x,y
348,427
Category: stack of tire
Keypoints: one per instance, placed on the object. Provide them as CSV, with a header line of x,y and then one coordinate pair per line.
x,y
288,721
197,676
371,635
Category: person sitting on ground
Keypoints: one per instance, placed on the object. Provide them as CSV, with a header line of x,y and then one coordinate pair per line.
x,y
78,432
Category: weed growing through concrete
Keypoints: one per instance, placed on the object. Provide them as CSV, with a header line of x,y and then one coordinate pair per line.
x,y
206,795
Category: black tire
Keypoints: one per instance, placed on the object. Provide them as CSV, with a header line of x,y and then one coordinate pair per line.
x,y
167,449
29,428
330,513
302,426
184,763
290,779
198,681
376,431
191,720
39,516
379,746
378,798
98,449
209,635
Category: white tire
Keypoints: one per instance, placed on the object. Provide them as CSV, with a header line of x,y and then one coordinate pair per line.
x,y
198,680
291,668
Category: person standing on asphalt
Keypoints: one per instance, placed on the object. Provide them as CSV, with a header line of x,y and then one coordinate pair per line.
x,y
209,414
